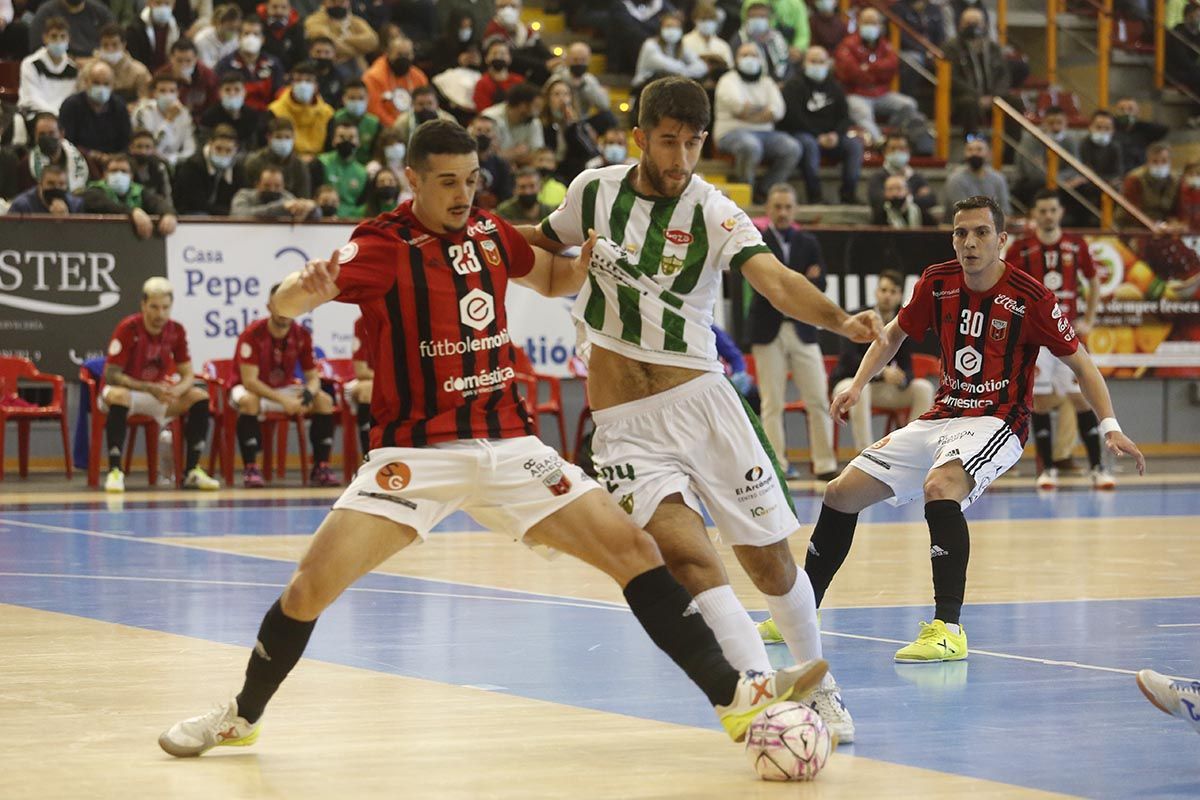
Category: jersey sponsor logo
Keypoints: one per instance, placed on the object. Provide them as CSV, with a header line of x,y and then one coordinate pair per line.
x,y
1062,325
761,511
955,385
394,476
678,237
1010,304
481,227
457,347
999,330
730,224
491,253
945,293
1056,312
347,252
759,482
114,347
753,474
670,265
548,470
968,361
477,309
480,383
966,402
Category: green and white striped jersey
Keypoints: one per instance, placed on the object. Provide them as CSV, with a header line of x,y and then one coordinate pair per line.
x,y
651,296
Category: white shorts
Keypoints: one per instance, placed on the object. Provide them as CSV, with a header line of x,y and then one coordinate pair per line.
x,y
902,459
265,406
700,441
1052,376
142,403
506,485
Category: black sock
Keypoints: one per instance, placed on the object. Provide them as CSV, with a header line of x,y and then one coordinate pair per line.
x,y
320,434
115,431
281,641
196,432
1043,440
249,434
364,427
949,551
661,605
1089,431
828,548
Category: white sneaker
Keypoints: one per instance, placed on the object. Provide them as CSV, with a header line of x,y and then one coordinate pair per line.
x,y
757,690
1177,698
826,700
221,727
199,479
1103,480
1048,479
115,481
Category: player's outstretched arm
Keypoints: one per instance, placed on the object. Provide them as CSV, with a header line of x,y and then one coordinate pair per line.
x,y
880,353
533,234
558,276
312,286
1095,391
795,295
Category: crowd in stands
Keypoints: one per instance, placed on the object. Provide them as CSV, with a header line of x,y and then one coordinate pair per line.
x,y
302,109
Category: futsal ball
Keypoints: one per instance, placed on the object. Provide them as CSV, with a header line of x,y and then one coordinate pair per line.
x,y
788,742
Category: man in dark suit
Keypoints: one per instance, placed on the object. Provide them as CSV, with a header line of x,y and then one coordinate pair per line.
x,y
781,347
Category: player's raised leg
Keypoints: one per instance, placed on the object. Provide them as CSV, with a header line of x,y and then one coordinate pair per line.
x,y
613,544
348,545
845,496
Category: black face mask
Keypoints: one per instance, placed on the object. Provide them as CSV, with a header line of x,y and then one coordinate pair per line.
x,y
896,202
578,70
400,65
527,200
337,12
545,172
498,64
323,64
971,32
425,116
50,195
484,141
345,148
975,162
329,211
388,194
48,144
270,197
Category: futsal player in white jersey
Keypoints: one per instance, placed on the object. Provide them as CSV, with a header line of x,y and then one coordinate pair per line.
x,y
671,432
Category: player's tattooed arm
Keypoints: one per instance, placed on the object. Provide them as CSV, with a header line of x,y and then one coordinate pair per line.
x,y
115,376
558,276
1095,391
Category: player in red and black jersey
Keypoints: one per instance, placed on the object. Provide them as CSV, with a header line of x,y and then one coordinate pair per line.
x,y
148,371
1057,260
991,320
452,433
358,391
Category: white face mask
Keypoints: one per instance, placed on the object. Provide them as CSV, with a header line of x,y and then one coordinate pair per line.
x,y
869,33
707,27
161,15
111,56
1101,138
1193,181
672,34
826,6
252,43
508,16
757,26
750,66
1159,171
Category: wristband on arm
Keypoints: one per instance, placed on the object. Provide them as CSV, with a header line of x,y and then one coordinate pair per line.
x,y
1109,425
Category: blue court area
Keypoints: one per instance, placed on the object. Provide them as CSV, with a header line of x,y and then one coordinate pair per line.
x,y
1047,699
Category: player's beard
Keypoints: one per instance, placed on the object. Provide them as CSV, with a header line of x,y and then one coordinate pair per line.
x,y
655,178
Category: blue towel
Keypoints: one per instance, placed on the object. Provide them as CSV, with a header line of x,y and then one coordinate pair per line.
x,y
82,440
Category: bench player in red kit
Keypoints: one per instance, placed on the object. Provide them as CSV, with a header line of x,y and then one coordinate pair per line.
x,y
992,320
1057,259
358,391
451,432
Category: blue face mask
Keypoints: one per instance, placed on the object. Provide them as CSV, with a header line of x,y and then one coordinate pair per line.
x,y
303,92
757,26
233,102
355,108
99,94
220,162
282,147
615,153
161,15
394,153
118,182
57,49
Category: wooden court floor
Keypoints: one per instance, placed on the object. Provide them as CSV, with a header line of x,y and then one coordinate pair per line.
x,y
471,667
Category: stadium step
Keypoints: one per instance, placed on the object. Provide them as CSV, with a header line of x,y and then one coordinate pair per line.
x,y
542,22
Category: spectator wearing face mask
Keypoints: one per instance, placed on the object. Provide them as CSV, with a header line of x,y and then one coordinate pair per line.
x,y
518,129
250,123
151,36
927,18
49,148
118,193
495,175
774,47
828,25
94,119
83,20
166,118
343,171
206,182
268,199
817,116
424,109
705,41
631,24
498,78
866,65
553,190
389,154
978,72
391,81
221,37
283,33
1031,156
1152,187
353,37
48,75
262,72
383,193
614,149
326,198
49,196
131,79
1133,134
898,208
589,97
976,177
280,152
523,208
530,56
1101,154
896,155
1183,63
147,168
308,111
665,55
791,19
459,35
198,86
329,79
1187,208
354,110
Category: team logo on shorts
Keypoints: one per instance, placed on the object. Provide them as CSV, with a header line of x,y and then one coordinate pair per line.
x,y
882,443
394,476
753,474
999,330
549,471
491,253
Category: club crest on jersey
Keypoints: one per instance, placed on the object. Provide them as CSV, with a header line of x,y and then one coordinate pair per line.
x,y
481,227
670,265
999,330
678,237
491,253
729,224
1053,279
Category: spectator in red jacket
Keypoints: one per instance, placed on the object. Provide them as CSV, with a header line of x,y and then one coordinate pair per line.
x,y
493,86
865,66
198,87
263,73
282,32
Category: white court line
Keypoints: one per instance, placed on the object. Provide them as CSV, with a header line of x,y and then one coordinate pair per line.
x,y
1178,625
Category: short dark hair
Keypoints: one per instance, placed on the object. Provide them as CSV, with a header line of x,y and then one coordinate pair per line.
x,y
115,157
268,167
280,124
680,99
111,30
51,169
141,133
224,131
1100,112
274,288
320,40
183,45
438,137
164,77
1046,194
521,94
1156,148
358,84
56,23
983,201
893,275
41,115
1053,110
230,77
345,122
421,91
305,68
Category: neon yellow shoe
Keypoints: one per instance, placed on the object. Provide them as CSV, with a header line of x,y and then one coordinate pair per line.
x,y
936,643
757,690
769,631
221,727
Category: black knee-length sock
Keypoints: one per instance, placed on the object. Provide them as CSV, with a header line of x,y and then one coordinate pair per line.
x,y
364,427
197,432
249,435
1043,440
281,641
114,430
320,434
828,548
949,552
1089,431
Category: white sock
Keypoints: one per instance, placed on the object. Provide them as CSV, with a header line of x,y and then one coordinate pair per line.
x,y
735,631
795,614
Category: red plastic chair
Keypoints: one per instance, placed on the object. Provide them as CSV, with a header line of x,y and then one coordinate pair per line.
x,y
149,425
339,372
274,428
579,371
532,380
13,370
